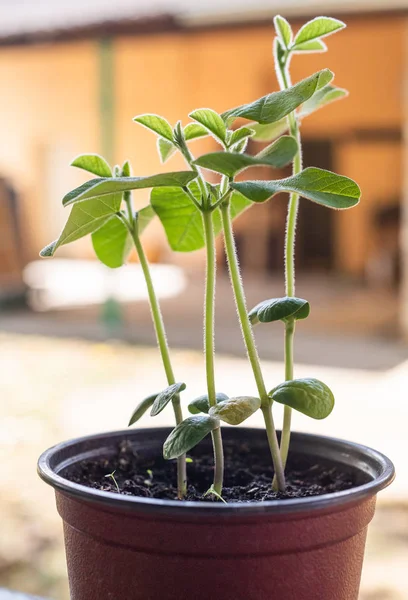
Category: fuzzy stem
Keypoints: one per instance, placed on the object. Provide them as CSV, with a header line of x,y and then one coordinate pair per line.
x,y
249,340
290,235
163,347
209,344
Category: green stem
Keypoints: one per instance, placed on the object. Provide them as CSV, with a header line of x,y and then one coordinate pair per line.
x,y
164,350
209,345
293,208
250,343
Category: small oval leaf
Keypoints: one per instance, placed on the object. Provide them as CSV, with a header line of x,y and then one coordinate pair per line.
x,y
192,131
141,408
157,124
240,134
309,396
279,309
326,95
112,243
320,186
212,121
165,397
236,410
93,163
283,30
312,46
317,28
188,434
201,404
165,149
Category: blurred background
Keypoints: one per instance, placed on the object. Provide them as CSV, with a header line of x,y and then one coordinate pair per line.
x,y
76,340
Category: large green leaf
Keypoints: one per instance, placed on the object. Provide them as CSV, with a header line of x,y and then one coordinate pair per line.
x,y
236,410
188,434
157,124
277,105
317,28
93,163
165,397
279,154
283,30
202,405
279,309
141,408
326,95
181,219
112,243
103,186
85,217
212,121
309,396
320,186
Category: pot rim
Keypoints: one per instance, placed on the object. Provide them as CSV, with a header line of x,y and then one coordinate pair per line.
x,y
47,470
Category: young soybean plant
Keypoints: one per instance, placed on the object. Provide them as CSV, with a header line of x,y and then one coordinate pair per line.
x,y
192,215
103,208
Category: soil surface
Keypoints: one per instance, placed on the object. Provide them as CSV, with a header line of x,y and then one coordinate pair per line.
x,y
247,476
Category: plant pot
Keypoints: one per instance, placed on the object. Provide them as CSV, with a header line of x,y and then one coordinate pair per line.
x,y
127,548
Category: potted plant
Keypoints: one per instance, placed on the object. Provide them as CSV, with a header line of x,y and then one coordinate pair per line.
x,y
253,516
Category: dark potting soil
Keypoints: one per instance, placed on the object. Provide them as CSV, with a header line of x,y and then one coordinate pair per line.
x,y
248,475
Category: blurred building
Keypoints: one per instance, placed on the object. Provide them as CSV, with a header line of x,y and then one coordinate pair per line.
x,y
75,73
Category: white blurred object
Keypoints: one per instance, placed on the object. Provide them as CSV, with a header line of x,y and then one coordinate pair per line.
x,y
64,283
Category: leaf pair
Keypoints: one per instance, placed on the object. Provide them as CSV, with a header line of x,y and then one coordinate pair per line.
x,y
308,38
194,429
157,402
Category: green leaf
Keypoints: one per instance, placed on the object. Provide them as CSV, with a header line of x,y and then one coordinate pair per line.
x,y
181,219
240,134
104,186
313,46
112,243
283,30
157,124
211,121
85,218
325,96
236,410
193,131
317,28
93,163
201,404
141,408
309,396
144,216
268,133
279,154
320,186
165,149
275,106
279,309
126,169
165,397
188,434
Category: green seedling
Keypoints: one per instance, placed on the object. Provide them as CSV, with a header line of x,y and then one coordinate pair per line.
x,y
193,211
112,476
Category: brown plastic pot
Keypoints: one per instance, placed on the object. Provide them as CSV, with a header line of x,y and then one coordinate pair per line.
x,y
126,548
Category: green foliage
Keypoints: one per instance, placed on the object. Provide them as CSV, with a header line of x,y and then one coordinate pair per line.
x,y
320,186
325,96
99,187
165,397
239,134
85,217
193,131
309,396
268,133
165,149
141,408
318,28
277,155
211,121
93,163
279,309
235,411
112,242
202,405
157,124
275,106
312,46
182,220
284,31
188,434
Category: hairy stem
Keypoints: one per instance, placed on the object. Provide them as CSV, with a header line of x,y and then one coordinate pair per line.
x,y
209,345
163,347
249,340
